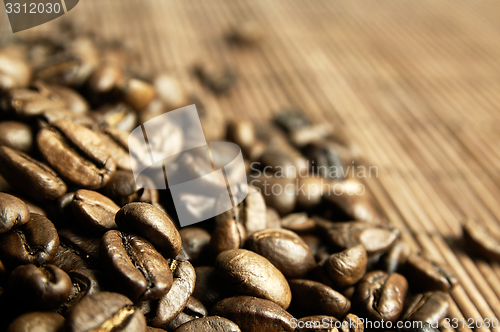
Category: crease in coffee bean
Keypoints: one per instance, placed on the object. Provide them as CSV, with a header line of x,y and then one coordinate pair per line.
x,y
127,245
118,320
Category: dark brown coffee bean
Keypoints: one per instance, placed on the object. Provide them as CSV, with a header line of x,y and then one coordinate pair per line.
x,y
123,189
16,135
347,267
312,297
209,324
46,286
217,78
279,193
254,314
153,224
105,312
352,323
251,274
116,141
480,239
37,322
209,288
33,178
94,211
298,222
135,265
316,323
76,153
278,163
194,309
13,212
76,250
291,119
429,307
67,259
34,242
395,257
195,241
428,275
310,191
246,34
171,305
154,329
228,234
284,249
138,94
381,296
85,282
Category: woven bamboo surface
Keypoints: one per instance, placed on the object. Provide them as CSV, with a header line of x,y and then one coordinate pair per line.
x,y
414,84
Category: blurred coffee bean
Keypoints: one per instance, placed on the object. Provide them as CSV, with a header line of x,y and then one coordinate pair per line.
x,y
395,257
124,189
218,78
291,119
119,115
16,135
242,133
35,242
317,323
246,33
347,267
277,162
352,323
272,218
15,72
209,324
33,178
428,275
138,93
209,288
254,314
195,241
76,153
279,193
381,296
43,287
105,311
37,322
13,212
153,224
310,192
298,222
312,297
429,307
312,241
171,304
284,249
228,234
171,92
108,76
94,211
138,269
194,309
72,100
326,159
251,274
313,133
481,240
25,103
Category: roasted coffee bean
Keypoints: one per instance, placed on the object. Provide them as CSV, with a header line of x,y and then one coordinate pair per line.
x,y
105,311
428,275
135,265
45,287
194,309
33,178
153,224
34,242
209,324
138,94
251,212
13,212
76,250
251,274
291,119
279,193
76,153
352,323
347,267
480,239
94,211
228,234
254,314
170,90
16,135
314,133
316,323
284,249
246,33
37,322
220,79
26,103
71,99
15,71
116,141
429,307
119,115
381,296
395,257
241,132
310,192
312,297
278,163
195,241
123,189
273,219
154,329
108,76
85,282
209,288
298,222
171,304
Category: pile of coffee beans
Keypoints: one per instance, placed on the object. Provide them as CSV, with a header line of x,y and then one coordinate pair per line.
x,y
83,247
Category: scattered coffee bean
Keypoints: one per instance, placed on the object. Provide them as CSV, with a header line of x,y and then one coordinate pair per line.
x,y
347,267
13,212
481,240
429,307
94,211
428,275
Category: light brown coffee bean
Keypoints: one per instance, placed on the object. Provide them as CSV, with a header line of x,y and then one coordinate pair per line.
x,y
94,211
298,222
347,267
37,322
138,93
209,324
429,307
13,212
71,99
16,135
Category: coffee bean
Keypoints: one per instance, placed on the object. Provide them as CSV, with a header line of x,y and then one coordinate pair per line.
x,y
71,99
228,234
279,193
153,224
123,189
119,115
278,163
135,265
298,222
254,314
216,77
108,76
154,329
33,178
251,274
429,307
37,322
310,192
347,267
272,218
94,211
303,136
76,153
395,257
291,119
13,212
246,33
209,324
381,296
480,239
318,323
209,288
45,287
15,72
34,242
195,242
116,141
85,282
105,312
193,310
76,250
16,135
312,297
428,275
171,92
242,133
26,103
171,304
352,323
138,93
284,249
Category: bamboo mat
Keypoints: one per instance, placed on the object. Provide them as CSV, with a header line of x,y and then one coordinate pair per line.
x,y
414,84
